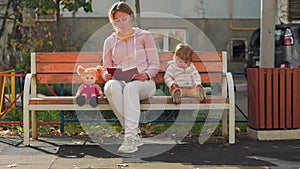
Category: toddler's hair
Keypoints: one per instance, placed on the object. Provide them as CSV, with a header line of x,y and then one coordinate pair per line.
x,y
184,52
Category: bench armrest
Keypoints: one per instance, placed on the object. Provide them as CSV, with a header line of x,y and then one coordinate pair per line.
x,y
230,86
29,78
231,96
26,97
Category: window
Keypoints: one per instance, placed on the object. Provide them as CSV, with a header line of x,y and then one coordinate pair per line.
x,y
293,8
238,49
48,16
167,39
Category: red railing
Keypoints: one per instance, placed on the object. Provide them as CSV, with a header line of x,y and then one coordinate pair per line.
x,y
12,86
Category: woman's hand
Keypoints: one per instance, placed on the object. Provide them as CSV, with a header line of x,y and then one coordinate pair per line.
x,y
107,76
141,76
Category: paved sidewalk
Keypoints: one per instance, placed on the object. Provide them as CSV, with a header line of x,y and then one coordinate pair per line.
x,y
76,153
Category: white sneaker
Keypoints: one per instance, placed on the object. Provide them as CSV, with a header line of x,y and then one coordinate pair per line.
x,y
139,141
129,145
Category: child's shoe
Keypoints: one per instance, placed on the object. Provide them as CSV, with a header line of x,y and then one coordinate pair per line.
x,y
177,96
201,93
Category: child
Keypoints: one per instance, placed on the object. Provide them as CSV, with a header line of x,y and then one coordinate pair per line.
x,y
182,77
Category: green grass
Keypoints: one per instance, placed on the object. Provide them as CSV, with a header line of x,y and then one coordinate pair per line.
x,y
113,128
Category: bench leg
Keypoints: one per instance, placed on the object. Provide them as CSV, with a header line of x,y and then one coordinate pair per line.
x,y
231,125
26,126
34,125
224,123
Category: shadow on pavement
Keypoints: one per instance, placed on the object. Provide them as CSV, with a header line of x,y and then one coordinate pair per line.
x,y
13,141
246,152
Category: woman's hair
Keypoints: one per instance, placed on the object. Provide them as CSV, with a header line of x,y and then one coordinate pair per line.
x,y
119,6
184,52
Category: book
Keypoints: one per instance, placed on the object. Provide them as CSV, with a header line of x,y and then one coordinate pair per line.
x,y
111,70
122,74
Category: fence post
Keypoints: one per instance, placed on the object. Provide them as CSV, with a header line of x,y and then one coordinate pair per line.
x,y
2,93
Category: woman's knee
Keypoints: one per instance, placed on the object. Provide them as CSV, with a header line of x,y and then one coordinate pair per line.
x,y
111,86
139,88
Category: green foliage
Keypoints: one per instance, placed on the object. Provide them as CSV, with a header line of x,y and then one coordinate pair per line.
x,y
162,90
148,129
13,115
73,5
20,129
41,6
30,36
36,39
49,116
46,6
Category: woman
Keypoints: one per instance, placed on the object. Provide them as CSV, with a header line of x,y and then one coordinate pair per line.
x,y
127,47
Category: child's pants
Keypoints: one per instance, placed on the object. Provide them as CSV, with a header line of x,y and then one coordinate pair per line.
x,y
190,92
124,99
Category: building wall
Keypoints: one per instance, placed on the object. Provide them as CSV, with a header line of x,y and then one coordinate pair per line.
x,y
241,9
207,22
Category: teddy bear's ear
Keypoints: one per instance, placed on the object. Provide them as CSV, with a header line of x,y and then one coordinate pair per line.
x,y
99,71
80,69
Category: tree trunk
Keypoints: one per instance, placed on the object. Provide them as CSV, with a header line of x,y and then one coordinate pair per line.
x,y
58,32
138,13
4,19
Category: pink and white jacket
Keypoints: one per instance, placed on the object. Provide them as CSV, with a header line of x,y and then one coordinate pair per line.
x,y
183,77
139,51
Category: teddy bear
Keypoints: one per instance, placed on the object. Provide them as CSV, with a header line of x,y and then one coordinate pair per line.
x,y
89,89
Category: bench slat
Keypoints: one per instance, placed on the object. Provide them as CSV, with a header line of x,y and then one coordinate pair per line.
x,y
155,100
71,67
75,79
61,67
82,57
69,57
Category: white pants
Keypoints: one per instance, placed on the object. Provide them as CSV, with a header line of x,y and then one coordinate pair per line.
x,y
124,99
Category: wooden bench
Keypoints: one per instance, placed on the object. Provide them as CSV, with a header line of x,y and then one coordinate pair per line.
x,y
60,68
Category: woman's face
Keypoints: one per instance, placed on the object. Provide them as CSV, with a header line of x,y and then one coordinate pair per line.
x,y
122,21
